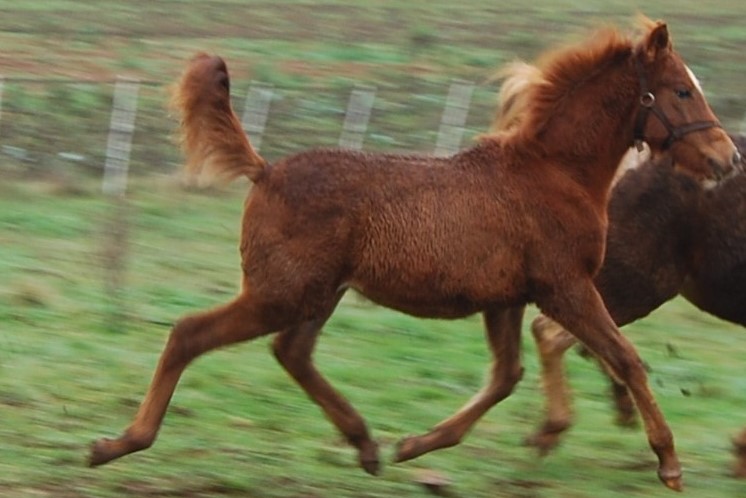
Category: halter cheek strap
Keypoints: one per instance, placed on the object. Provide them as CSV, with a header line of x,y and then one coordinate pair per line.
x,y
647,106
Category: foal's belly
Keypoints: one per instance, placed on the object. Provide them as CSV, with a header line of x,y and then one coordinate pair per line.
x,y
445,307
431,299
448,267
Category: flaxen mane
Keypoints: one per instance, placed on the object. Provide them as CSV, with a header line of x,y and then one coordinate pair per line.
x,y
557,74
514,98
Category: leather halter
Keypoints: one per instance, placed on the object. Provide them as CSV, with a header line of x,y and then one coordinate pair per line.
x,y
647,104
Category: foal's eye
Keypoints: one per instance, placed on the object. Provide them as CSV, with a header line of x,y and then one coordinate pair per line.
x,y
683,94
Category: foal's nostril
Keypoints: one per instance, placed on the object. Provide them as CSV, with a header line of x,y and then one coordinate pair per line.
x,y
737,158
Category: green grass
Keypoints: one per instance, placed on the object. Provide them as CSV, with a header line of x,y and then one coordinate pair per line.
x,y
75,361
239,427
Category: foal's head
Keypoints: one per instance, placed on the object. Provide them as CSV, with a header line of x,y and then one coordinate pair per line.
x,y
673,115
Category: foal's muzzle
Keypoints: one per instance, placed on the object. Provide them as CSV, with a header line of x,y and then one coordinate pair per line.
x,y
721,172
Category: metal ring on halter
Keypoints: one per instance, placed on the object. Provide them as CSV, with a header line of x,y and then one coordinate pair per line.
x,y
647,100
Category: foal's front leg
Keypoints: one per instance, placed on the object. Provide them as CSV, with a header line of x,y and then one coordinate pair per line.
x,y
579,309
503,334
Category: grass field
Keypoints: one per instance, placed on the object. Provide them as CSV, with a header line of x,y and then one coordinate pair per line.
x,y
75,360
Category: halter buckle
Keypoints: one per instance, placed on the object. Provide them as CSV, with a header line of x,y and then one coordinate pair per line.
x,y
647,100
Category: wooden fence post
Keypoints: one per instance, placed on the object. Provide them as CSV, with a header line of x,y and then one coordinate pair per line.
x,y
256,111
454,118
119,144
357,117
2,87
114,185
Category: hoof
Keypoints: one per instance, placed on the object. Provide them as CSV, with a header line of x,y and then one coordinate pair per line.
x,y
544,442
105,450
672,480
369,460
406,449
627,420
101,452
372,467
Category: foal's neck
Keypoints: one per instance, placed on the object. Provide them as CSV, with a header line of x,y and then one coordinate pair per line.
x,y
593,129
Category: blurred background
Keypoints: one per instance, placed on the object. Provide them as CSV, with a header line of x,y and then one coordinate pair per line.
x,y
60,59
90,282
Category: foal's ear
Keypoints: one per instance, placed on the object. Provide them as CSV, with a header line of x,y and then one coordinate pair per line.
x,y
657,42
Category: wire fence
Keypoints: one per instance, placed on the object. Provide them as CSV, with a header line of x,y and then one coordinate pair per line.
x,y
71,127
109,130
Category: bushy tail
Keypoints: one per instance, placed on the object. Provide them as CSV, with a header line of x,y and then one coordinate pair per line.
x,y
211,134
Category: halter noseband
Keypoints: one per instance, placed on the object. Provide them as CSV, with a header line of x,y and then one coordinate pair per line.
x,y
647,104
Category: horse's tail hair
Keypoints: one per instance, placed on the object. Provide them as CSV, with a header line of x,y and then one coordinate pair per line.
x,y
211,134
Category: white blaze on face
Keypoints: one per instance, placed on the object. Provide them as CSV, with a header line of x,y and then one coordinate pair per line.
x,y
631,160
709,184
694,79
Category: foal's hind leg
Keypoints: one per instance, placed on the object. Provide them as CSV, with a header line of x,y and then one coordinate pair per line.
x,y
190,337
579,309
293,348
551,343
504,334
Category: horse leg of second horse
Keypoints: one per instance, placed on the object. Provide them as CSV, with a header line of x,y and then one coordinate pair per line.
x,y
551,343
503,327
623,402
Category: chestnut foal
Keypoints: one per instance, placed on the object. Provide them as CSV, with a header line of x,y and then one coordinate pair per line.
x,y
520,217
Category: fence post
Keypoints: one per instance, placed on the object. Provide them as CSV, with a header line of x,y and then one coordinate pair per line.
x,y
357,117
114,185
2,87
119,144
255,112
454,118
